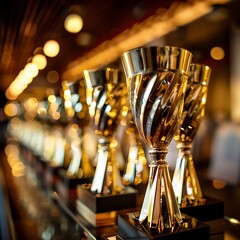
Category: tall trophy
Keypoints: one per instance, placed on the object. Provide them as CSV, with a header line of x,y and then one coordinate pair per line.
x,y
185,180
100,201
156,82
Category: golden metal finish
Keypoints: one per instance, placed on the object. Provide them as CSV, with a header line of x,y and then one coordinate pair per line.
x,y
106,95
185,181
136,171
76,116
156,82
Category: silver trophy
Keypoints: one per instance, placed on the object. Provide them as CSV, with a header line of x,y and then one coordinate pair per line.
x,y
156,82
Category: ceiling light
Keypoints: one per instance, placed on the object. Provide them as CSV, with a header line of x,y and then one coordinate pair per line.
x,y
51,48
31,70
40,60
73,23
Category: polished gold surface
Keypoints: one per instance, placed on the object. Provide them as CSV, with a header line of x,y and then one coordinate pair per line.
x,y
76,117
156,81
106,95
136,170
185,181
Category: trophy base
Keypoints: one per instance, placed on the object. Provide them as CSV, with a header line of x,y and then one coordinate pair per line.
x,y
102,210
66,186
130,228
212,209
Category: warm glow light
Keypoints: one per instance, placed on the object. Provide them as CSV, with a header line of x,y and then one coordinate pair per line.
x,y
52,76
11,109
23,78
218,184
51,48
40,61
73,23
52,99
31,70
217,53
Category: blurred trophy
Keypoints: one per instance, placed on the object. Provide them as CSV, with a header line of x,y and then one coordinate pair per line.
x,y
100,201
136,170
156,82
76,118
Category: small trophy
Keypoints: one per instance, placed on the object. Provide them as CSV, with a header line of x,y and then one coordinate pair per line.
x,y
75,114
185,181
136,170
156,82
100,201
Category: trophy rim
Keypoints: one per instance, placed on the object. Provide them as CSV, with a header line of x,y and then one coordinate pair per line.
x,y
159,57
157,46
106,75
199,73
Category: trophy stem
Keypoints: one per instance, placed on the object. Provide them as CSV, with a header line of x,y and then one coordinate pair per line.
x,y
107,179
185,181
160,207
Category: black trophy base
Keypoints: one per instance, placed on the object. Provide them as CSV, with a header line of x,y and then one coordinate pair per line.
x,y
102,210
66,186
130,228
212,209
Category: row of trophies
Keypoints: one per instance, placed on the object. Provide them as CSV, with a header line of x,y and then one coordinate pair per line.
x,y
156,96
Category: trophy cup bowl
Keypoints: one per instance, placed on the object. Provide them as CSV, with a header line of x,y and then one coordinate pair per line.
x,y
156,82
99,201
185,180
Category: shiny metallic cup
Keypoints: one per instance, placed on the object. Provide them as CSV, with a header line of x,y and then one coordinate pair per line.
x,y
106,95
185,181
156,82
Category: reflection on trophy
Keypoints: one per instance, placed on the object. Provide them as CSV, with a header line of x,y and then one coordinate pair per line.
x,y
156,82
136,170
185,181
106,96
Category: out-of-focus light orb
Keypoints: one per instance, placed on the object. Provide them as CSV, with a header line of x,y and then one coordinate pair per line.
x,y
40,60
51,48
11,109
73,23
52,76
31,70
84,39
217,53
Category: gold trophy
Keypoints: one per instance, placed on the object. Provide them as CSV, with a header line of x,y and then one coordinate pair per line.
x,y
185,180
99,202
76,118
156,82
136,170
